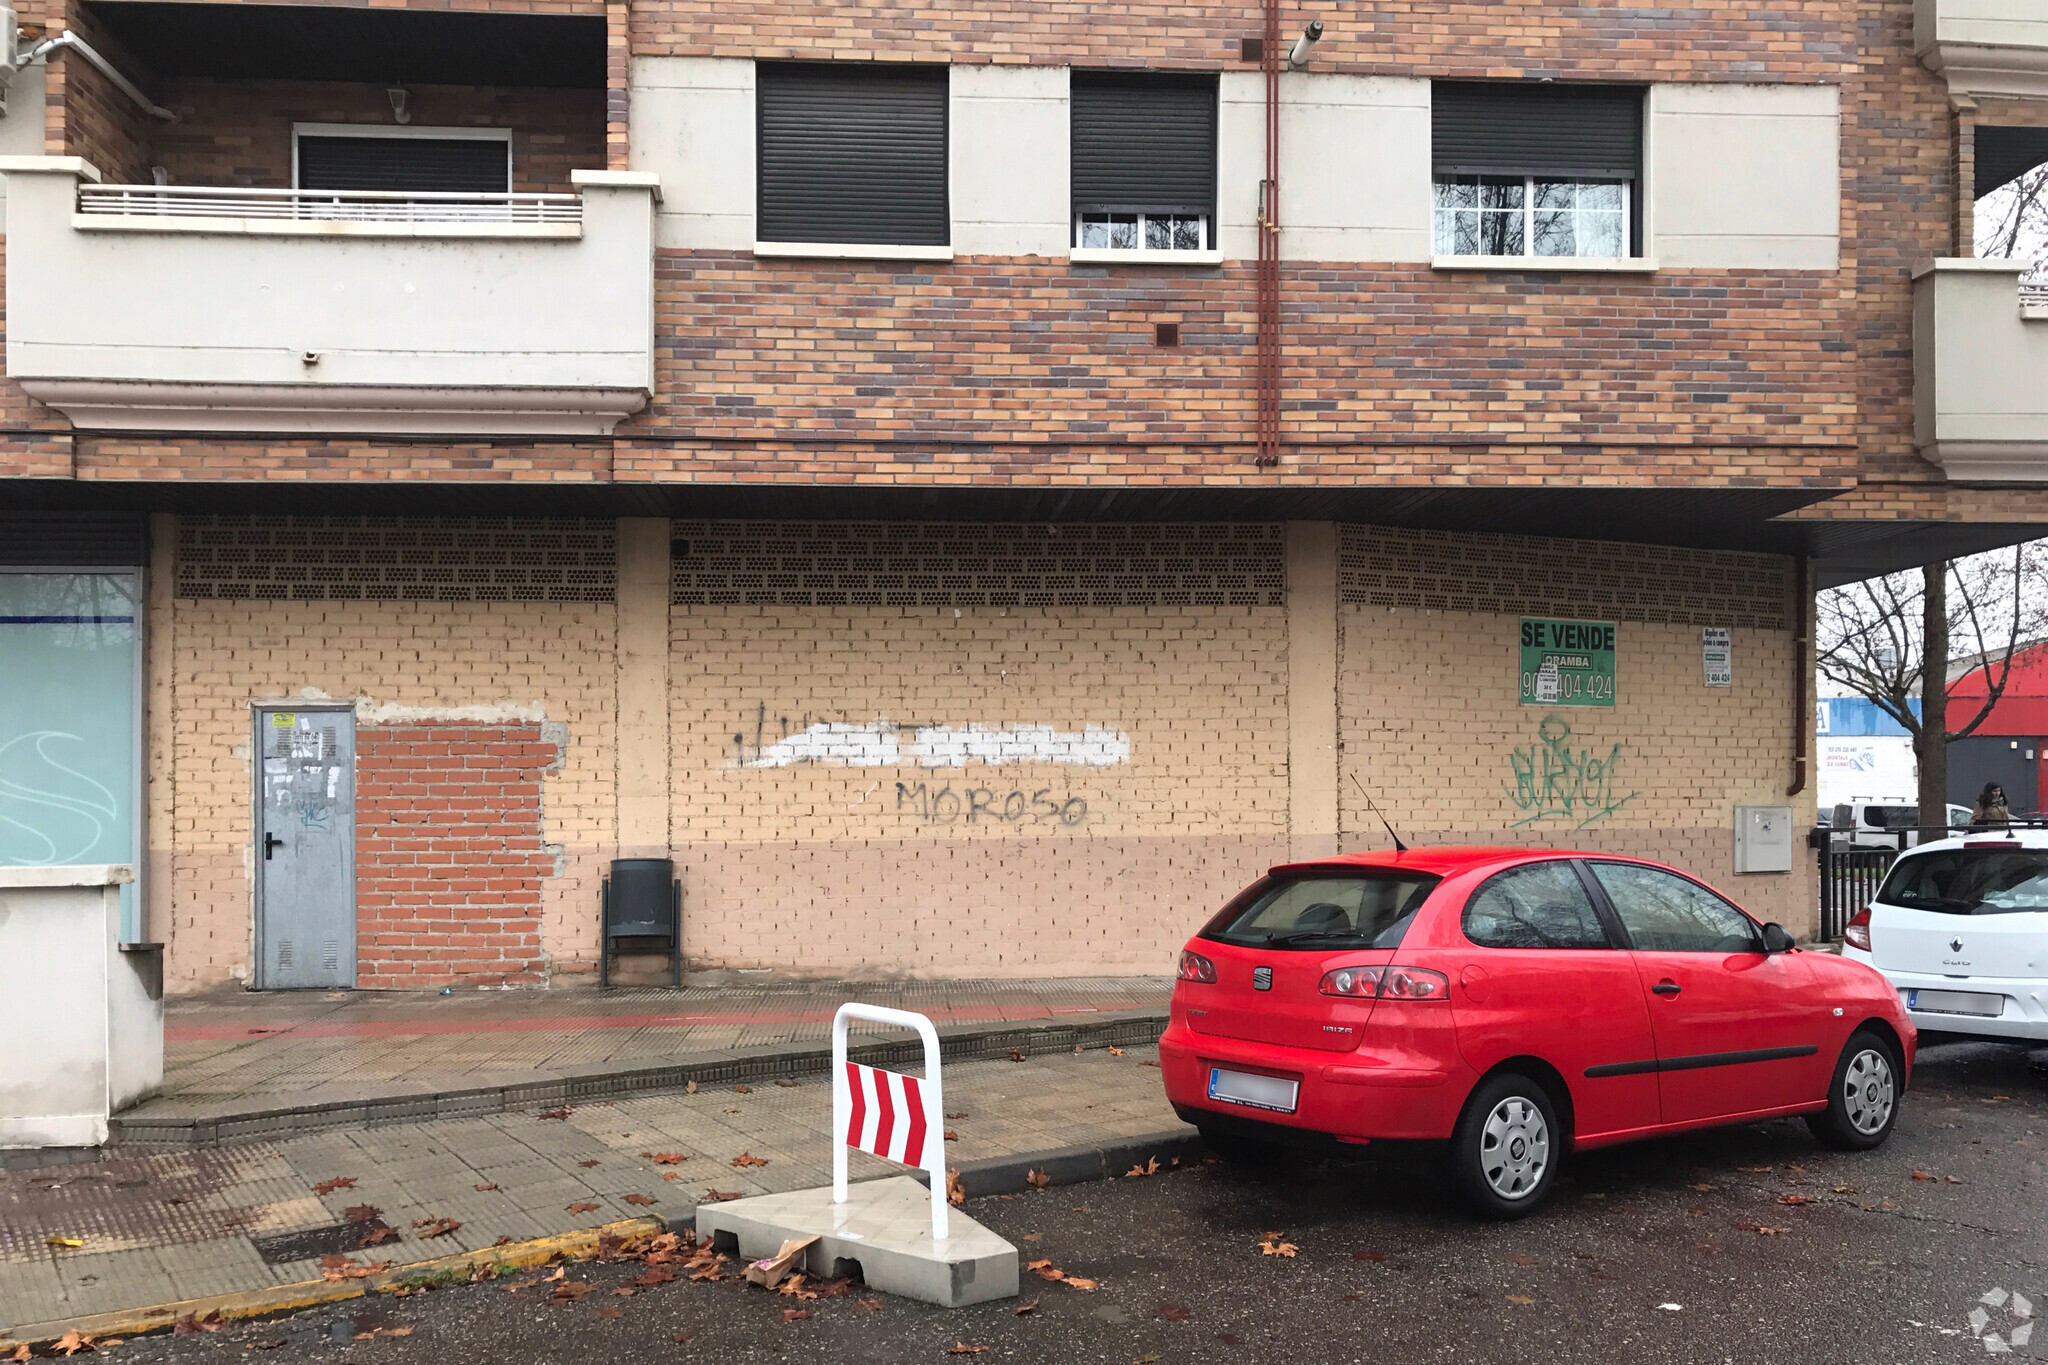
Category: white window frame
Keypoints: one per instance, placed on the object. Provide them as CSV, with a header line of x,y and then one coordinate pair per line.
x,y
1140,253
1527,258
300,130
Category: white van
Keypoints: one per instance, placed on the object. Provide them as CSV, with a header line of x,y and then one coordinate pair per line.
x,y
1960,928
1875,822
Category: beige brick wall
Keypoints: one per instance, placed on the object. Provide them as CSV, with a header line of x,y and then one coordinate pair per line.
x,y
1431,724
554,659
821,868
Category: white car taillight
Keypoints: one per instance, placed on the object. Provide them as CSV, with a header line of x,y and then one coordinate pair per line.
x,y
1856,933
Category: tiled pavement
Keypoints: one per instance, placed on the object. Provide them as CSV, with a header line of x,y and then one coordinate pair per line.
x,y
165,1226
272,1058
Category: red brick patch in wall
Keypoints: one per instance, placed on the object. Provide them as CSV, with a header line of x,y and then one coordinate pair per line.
x,y
449,859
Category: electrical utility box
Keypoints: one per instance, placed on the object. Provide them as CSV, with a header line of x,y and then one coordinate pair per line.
x,y
1763,838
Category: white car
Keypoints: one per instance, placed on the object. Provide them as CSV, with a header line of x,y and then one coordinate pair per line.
x,y
1960,928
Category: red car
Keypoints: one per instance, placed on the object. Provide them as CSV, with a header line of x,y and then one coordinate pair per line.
x,y
1518,1004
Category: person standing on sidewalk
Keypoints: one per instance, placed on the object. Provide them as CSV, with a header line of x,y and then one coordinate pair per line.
x,y
1990,811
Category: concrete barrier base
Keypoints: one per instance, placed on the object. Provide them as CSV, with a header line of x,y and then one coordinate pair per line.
x,y
886,1225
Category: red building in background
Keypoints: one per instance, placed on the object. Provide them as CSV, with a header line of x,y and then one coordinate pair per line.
x,y
2011,744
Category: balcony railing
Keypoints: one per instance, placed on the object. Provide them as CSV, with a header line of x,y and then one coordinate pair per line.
x,y
354,206
1980,370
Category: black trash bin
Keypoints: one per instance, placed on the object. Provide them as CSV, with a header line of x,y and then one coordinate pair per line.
x,y
643,901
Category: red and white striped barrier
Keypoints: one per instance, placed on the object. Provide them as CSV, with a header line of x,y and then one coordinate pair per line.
x,y
893,1116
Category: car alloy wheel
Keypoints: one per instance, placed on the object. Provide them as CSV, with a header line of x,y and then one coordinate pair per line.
x,y
1869,1091
1514,1148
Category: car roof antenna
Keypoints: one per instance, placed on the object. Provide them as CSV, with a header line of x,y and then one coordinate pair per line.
x,y
1373,806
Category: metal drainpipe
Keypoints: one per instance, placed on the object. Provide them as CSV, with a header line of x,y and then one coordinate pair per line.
x,y
1801,672
1266,400
41,51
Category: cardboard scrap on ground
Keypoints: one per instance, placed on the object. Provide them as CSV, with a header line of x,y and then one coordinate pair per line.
x,y
768,1273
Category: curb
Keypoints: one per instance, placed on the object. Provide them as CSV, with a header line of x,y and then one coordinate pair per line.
x,y
285,1298
961,1043
991,1176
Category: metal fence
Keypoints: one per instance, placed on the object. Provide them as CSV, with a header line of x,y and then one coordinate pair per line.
x,y
1849,878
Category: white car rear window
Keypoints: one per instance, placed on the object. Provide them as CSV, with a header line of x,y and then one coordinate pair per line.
x,y
1970,881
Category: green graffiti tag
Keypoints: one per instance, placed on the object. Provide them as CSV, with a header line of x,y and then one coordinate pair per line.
x,y
1555,781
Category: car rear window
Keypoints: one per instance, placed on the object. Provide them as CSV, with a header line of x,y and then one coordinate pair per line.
x,y
1351,910
1970,881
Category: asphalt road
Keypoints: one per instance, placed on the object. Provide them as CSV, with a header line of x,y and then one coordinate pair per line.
x,y
1680,1250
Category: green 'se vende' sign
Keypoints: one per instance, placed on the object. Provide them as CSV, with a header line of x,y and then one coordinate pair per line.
x,y
1567,663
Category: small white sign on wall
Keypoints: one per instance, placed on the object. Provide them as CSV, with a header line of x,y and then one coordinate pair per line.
x,y
1718,656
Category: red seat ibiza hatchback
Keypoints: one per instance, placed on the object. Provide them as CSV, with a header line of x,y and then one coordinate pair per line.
x,y
1517,1004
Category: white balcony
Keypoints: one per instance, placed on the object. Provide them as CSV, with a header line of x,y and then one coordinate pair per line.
x,y
1984,47
192,308
1980,371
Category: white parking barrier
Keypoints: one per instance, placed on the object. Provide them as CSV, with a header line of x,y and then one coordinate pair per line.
x,y
893,1116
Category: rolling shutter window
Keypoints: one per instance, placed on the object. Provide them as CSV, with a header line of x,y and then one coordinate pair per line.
x,y
407,164
1554,132
853,153
1144,144
2006,154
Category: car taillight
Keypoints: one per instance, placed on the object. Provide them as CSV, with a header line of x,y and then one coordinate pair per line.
x,y
1386,983
1856,933
1195,967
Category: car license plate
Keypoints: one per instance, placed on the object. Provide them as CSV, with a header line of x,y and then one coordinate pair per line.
x,y
1259,1092
1955,1002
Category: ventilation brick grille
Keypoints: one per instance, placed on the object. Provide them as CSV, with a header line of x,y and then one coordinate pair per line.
x,y
953,564
397,559
1520,575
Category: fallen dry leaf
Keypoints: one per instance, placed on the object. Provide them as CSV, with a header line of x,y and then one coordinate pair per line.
x,y
787,1085
568,1291
872,1305
1046,1270
560,1113
655,1275
1173,1312
671,1175
956,1193
1368,1255
1028,1306
793,1314
376,1332
503,1241
952,1136
638,1199
1015,1055
1271,1245
961,1348
488,1185
362,1213
1116,1052
722,1196
690,1089
378,1236
582,1208
1149,1358
340,1267
1031,1236
1953,1180
586,1165
961,1115
1148,1062
1795,1199
1523,1299
22,1353
1037,1179
434,1227
71,1343
1922,1175
745,1159
1149,1168
189,1325
743,1090
666,1158
793,1288
609,1314
340,1182
732,1111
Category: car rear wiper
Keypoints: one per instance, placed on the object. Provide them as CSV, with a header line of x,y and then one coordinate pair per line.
x,y
1289,940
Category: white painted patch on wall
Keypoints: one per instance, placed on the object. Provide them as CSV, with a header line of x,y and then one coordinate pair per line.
x,y
370,712
880,744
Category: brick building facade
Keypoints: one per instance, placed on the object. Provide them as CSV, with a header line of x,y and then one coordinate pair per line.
x,y
935,607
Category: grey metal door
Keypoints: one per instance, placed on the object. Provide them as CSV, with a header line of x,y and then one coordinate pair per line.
x,y
305,847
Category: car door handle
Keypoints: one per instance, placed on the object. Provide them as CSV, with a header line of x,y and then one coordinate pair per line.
x,y
1665,988
270,842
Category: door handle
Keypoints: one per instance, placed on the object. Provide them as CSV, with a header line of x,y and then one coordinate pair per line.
x,y
1665,988
270,841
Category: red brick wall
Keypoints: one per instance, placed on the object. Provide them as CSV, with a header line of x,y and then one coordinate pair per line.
x,y
86,115
449,859
240,132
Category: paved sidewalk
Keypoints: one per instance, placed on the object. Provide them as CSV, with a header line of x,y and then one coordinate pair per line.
x,y
167,1226
244,1064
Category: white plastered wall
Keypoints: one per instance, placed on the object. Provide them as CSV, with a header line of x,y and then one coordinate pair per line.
x,y
21,129
1745,176
693,123
1354,166
1010,160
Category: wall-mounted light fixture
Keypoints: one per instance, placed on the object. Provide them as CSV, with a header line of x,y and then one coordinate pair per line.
x,y
400,97
1297,56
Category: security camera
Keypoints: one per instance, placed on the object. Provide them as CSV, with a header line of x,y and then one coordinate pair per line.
x,y
1297,56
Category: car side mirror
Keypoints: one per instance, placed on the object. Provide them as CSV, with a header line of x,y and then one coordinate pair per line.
x,y
1777,940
